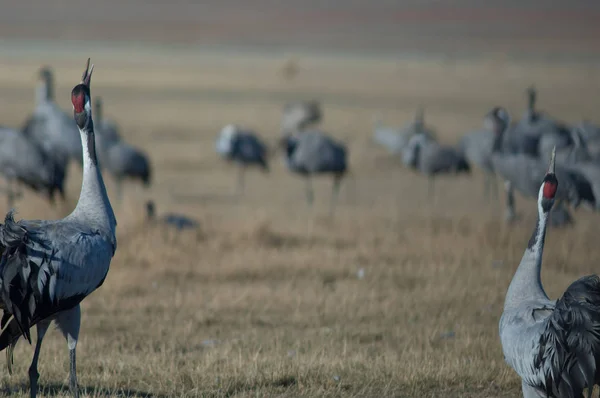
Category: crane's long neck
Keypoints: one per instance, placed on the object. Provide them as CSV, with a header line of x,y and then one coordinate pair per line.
x,y
93,206
531,112
44,91
526,284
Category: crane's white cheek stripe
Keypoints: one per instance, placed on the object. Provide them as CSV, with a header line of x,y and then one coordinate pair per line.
x,y
88,104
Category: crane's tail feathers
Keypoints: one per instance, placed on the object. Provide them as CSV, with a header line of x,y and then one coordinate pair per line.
x,y
10,332
10,360
11,233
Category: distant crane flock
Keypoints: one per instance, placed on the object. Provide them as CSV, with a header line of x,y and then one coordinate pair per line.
x,y
47,267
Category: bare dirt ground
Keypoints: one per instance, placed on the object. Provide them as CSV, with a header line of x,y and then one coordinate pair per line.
x,y
266,299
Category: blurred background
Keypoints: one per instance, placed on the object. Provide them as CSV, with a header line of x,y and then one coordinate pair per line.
x,y
396,293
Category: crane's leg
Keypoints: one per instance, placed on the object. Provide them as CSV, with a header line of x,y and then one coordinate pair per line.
x,y
494,184
10,357
240,180
510,213
42,328
310,195
68,322
337,180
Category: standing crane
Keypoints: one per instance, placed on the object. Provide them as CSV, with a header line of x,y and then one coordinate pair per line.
x,y
313,152
52,128
23,161
122,160
300,115
476,147
431,159
554,346
522,172
48,267
536,132
243,147
396,139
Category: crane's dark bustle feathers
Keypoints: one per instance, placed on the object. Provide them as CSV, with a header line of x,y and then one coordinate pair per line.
x,y
569,347
26,302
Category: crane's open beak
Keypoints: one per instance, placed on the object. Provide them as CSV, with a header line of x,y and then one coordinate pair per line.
x,y
87,73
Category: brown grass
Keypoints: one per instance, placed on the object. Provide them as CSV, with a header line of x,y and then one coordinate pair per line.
x,y
266,300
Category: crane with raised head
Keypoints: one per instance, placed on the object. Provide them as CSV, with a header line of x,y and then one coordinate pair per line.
x,y
49,266
522,172
553,345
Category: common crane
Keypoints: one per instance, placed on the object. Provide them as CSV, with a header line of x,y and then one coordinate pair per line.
x,y
122,160
536,132
177,221
554,346
395,139
476,147
52,128
431,159
313,152
48,267
244,148
522,172
300,115
23,161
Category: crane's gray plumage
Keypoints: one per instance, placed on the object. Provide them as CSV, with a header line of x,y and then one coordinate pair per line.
x,y
554,346
396,139
23,161
122,160
431,158
313,152
244,148
590,134
476,147
300,115
535,132
523,172
48,267
52,128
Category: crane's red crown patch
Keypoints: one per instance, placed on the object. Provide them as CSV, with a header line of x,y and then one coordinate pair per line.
x,y
550,189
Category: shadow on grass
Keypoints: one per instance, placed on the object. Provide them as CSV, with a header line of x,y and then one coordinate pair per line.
x,y
206,198
55,390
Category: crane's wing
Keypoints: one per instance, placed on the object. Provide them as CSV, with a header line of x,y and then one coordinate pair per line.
x,y
569,347
45,268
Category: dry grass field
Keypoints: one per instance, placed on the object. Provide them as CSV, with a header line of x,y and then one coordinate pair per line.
x,y
266,299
